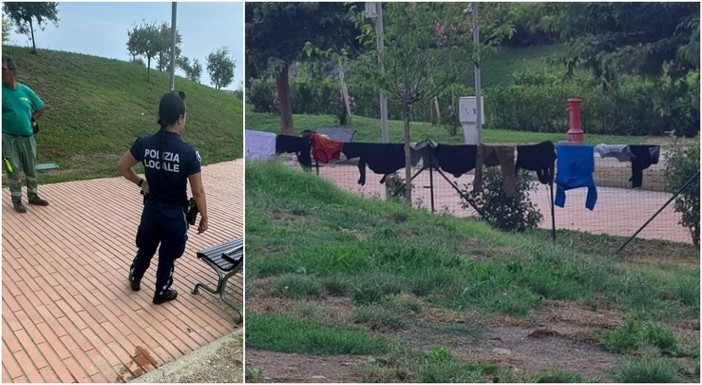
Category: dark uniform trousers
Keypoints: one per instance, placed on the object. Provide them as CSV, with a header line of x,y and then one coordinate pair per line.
x,y
165,224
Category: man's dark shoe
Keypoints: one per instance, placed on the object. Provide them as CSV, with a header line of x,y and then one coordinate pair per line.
x,y
38,201
19,207
136,285
169,295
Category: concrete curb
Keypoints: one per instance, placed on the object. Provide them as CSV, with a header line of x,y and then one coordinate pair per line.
x,y
197,361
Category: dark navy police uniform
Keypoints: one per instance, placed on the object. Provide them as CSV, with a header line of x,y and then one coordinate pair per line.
x,y
168,162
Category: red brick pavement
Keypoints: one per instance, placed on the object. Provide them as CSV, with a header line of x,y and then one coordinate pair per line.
x,y
68,314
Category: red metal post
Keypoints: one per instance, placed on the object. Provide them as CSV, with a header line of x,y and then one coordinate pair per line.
x,y
575,132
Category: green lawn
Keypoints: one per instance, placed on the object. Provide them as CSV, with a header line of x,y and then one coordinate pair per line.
x,y
310,245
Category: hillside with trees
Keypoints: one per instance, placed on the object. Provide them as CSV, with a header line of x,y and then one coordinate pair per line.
x,y
97,107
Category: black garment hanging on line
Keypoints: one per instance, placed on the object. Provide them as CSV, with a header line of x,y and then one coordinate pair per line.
x,y
643,157
456,160
300,146
381,158
538,157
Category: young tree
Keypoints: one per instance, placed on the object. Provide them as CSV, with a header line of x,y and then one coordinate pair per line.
x,y
24,14
220,66
195,71
419,40
276,34
192,71
144,40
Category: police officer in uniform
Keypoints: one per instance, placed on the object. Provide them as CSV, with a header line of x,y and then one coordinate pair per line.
x,y
169,163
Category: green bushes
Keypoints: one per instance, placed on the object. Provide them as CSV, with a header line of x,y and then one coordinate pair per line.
x,y
636,106
681,164
535,102
318,97
517,213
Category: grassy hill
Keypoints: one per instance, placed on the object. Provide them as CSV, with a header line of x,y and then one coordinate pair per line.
x,y
499,66
97,107
330,273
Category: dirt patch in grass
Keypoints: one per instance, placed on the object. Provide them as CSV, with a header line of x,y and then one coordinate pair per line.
x,y
295,368
559,335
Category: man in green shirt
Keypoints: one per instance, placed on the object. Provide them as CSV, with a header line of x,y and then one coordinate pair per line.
x,y
21,107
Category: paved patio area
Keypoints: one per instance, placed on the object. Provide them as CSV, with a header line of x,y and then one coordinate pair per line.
x,y
68,314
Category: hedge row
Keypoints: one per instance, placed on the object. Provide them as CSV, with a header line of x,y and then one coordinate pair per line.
x,y
534,103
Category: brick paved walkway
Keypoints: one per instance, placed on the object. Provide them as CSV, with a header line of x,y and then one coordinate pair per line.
x,y
68,314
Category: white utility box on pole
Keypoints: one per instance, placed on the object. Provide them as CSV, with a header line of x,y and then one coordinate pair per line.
x,y
468,116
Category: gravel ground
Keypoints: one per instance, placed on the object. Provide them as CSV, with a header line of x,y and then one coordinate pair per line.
x,y
218,362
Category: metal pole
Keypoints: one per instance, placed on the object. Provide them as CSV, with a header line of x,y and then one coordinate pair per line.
x,y
431,187
697,174
478,99
173,43
384,133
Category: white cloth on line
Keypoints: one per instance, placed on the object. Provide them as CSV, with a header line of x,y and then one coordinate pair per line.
x,y
259,145
619,151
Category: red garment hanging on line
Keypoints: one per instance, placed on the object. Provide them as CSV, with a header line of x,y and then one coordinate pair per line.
x,y
325,149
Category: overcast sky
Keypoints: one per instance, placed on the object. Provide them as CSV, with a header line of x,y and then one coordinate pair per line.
x,y
100,29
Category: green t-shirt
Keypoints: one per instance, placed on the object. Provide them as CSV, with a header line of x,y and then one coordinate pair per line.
x,y
18,105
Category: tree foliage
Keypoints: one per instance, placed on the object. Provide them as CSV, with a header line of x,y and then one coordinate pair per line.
x,y
420,41
164,55
193,71
152,41
23,16
276,34
646,39
6,27
682,162
220,66
144,40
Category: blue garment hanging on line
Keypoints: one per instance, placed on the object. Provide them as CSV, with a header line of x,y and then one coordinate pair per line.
x,y
576,163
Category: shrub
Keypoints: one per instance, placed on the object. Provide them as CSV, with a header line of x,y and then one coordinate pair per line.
x,y
260,95
517,213
681,164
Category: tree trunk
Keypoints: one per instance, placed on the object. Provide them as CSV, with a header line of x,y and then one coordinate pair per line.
x,y
148,68
31,29
408,165
282,85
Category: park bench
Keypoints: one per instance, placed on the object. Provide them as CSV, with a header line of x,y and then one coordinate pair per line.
x,y
337,134
226,259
